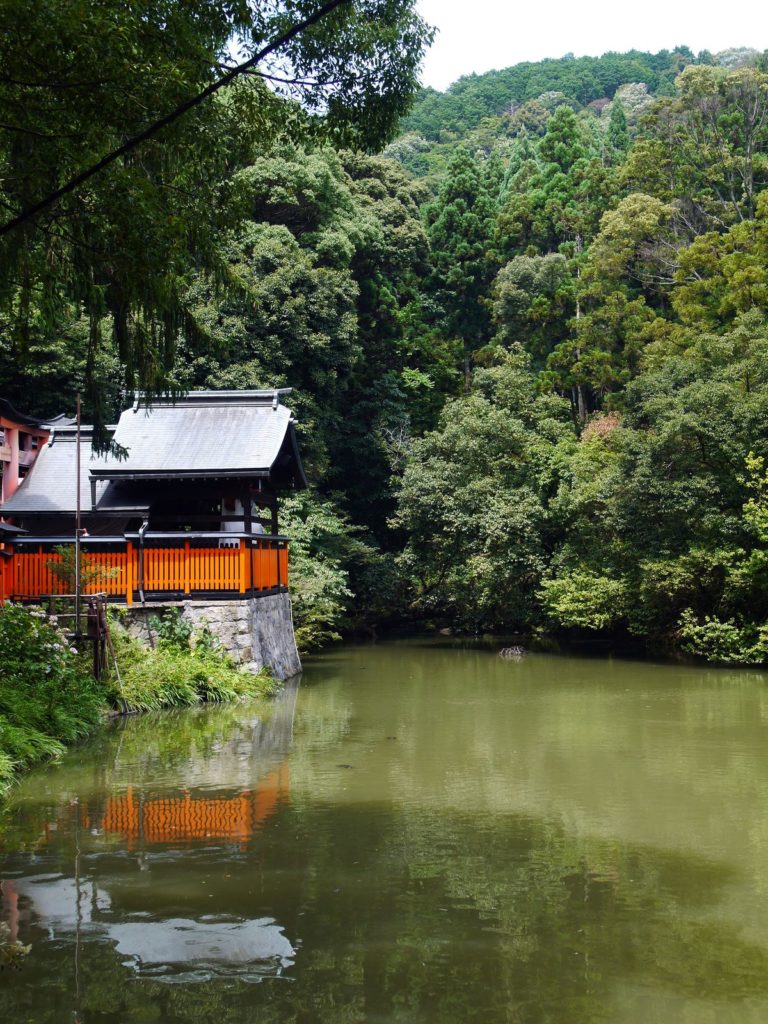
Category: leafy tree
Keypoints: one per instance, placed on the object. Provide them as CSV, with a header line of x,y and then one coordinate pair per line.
x,y
325,325
533,299
742,638
473,500
659,502
706,148
635,101
723,275
539,207
555,203
79,81
562,145
615,321
582,599
403,369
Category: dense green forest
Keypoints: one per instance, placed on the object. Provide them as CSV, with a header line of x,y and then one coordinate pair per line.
x,y
528,341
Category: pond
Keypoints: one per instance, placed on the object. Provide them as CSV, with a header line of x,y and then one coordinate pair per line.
x,y
419,832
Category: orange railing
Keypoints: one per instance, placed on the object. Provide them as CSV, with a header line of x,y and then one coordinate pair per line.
x,y
153,566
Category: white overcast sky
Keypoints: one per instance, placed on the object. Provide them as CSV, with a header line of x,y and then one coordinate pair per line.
x,y
477,35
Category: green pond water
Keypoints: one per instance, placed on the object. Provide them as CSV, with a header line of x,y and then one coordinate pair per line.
x,y
416,833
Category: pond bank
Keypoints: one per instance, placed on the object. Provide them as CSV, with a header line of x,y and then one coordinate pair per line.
x,y
254,632
49,698
618,644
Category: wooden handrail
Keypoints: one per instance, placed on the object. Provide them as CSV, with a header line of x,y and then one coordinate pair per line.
x,y
153,535
178,564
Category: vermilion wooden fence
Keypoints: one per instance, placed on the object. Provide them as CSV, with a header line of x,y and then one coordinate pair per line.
x,y
153,566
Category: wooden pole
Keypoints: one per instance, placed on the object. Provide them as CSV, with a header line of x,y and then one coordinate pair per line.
x,y
77,525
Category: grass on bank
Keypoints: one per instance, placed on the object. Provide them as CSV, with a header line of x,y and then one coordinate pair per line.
x,y
49,698
181,669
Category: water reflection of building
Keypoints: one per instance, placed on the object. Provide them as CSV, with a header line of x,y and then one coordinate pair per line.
x,y
168,948
9,904
253,760
189,818
174,907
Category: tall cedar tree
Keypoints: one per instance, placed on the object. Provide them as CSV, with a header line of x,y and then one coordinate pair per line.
x,y
460,226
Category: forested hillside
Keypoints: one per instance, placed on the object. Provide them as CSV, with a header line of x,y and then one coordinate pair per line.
x,y
606,271
529,345
486,111
581,80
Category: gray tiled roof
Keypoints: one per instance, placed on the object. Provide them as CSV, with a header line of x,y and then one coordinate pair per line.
x,y
202,434
49,487
207,433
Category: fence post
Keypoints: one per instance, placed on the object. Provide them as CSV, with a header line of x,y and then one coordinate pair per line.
x,y
242,565
129,572
187,589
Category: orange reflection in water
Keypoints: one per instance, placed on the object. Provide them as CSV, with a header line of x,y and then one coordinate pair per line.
x,y
169,819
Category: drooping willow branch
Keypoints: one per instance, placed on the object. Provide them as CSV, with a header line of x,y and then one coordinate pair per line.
x,y
43,204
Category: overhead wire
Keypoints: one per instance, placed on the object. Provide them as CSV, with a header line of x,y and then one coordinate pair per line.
x,y
43,204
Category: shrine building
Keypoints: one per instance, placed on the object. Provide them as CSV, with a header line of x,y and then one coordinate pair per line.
x,y
184,508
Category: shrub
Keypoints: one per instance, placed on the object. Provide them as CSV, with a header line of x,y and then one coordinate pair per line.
x,y
172,631
724,641
48,696
582,599
184,669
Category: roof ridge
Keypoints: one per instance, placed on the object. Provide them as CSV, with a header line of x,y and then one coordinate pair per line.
x,y
201,398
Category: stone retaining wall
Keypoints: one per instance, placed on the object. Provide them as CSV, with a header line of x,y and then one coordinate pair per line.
x,y
256,632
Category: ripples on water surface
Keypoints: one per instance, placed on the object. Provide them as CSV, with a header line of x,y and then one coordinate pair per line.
x,y
416,834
